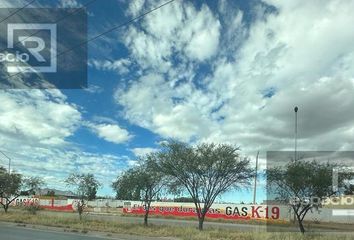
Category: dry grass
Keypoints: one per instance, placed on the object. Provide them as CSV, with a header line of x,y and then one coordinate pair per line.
x,y
185,233
220,220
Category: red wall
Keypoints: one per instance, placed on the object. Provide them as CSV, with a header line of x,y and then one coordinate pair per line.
x,y
229,212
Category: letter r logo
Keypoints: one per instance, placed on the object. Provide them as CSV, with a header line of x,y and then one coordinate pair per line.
x,y
35,51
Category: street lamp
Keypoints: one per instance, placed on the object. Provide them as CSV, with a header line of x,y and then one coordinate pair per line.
x,y
255,180
8,159
296,109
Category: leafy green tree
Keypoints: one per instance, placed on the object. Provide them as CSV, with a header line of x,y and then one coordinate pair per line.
x,y
13,184
85,186
205,171
144,182
349,189
10,184
303,185
32,185
123,188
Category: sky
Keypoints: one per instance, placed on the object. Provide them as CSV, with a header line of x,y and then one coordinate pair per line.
x,y
196,71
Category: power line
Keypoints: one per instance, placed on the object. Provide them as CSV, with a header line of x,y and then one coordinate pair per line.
x,y
107,31
17,11
8,159
56,21
116,27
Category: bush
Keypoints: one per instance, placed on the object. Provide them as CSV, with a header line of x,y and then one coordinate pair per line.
x,y
33,208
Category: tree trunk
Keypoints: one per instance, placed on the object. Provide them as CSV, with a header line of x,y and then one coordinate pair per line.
x,y
147,210
201,221
301,226
146,219
79,210
302,229
6,207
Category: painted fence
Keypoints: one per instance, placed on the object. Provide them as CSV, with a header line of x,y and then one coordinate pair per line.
x,y
224,211
50,204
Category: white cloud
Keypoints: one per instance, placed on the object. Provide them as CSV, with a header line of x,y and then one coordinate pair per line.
x,y
55,164
149,103
39,117
69,4
304,52
140,152
202,31
121,65
133,163
111,133
136,7
93,89
177,29
35,126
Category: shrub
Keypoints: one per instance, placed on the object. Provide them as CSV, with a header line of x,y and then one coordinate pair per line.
x,y
33,208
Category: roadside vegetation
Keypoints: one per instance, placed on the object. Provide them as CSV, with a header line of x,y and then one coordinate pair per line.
x,y
197,173
144,181
13,184
303,185
203,172
184,233
85,187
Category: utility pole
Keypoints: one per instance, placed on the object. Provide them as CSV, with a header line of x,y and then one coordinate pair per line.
x,y
296,109
8,159
255,180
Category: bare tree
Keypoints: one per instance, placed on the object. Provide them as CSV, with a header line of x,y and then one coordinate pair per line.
x,y
205,171
84,185
32,185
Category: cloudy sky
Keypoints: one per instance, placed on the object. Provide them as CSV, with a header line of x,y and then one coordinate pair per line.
x,y
197,71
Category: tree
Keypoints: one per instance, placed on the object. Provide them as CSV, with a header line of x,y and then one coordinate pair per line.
x,y
13,184
349,189
32,185
85,186
205,171
10,184
50,193
303,185
143,181
123,188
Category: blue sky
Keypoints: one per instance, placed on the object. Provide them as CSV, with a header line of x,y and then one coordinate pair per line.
x,y
198,71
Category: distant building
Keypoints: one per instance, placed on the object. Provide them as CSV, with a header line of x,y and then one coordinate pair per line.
x,y
57,193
